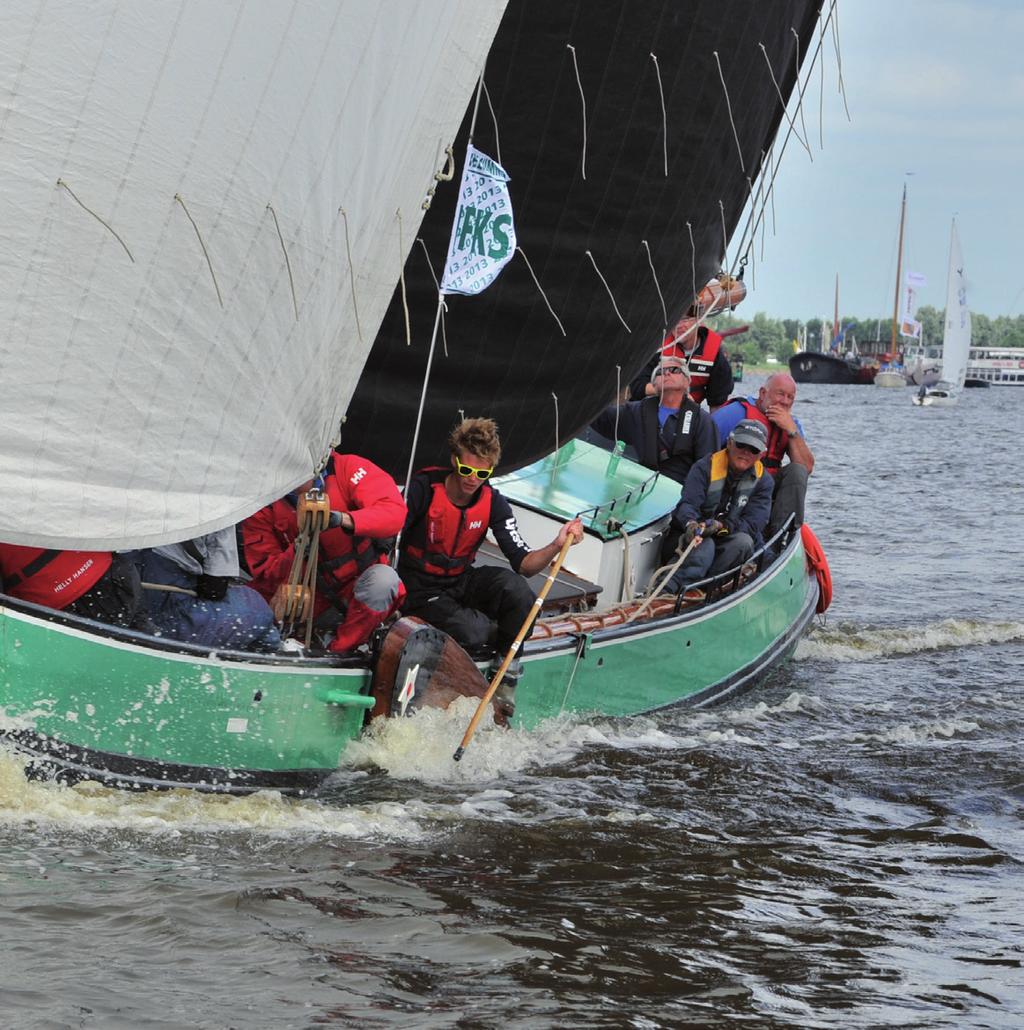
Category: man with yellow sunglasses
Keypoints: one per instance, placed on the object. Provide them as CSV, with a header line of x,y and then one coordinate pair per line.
x,y
451,510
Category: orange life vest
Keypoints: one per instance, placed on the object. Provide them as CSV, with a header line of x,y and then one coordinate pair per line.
x,y
445,540
778,439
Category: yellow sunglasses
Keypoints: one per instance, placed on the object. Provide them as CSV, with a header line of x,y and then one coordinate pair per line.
x,y
469,470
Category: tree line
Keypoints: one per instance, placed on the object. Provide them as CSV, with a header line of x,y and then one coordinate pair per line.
x,y
776,335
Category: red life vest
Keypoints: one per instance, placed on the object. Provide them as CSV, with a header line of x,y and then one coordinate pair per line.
x,y
778,439
699,362
445,540
51,578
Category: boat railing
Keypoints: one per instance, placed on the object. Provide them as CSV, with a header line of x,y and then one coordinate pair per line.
x,y
607,508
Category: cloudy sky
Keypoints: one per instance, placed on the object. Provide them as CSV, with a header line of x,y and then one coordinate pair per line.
x,y
934,87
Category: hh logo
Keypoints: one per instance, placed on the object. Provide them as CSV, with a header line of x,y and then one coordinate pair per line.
x,y
477,524
359,475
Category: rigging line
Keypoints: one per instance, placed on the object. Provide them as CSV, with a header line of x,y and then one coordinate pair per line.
x,y
494,119
572,675
693,264
437,286
540,289
106,225
555,396
608,289
657,286
287,262
725,235
664,116
771,185
423,399
728,105
476,106
583,101
782,100
351,274
818,54
401,278
618,401
796,78
206,253
761,201
821,87
839,56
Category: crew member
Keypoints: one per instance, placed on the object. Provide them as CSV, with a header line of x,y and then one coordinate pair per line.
x,y
668,430
773,409
725,502
97,585
450,511
356,590
701,352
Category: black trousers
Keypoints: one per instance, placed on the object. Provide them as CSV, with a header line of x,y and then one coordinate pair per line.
x,y
485,606
117,598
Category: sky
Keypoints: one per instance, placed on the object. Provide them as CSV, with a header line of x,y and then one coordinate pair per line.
x,y
936,88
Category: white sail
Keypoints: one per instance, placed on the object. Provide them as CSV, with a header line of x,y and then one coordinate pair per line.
x,y
956,337
182,185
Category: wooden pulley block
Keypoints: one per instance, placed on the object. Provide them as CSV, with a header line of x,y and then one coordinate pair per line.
x,y
291,603
313,511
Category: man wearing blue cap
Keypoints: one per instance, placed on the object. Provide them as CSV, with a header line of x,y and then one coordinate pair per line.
x,y
726,502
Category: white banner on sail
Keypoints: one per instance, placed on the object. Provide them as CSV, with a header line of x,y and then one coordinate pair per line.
x,y
483,235
916,280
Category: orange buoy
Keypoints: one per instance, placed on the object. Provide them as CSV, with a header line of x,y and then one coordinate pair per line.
x,y
818,564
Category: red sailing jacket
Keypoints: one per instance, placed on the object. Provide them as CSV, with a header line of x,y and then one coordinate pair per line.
x,y
352,484
700,362
51,578
778,439
445,541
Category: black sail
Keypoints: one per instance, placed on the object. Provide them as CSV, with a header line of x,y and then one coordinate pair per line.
x,y
590,234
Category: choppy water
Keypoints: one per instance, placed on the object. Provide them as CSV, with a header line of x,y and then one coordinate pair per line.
x,y
842,847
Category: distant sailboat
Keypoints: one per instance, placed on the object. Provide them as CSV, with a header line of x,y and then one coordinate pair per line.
x,y
891,373
956,339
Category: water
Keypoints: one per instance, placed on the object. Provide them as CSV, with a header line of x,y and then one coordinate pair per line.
x,y
841,847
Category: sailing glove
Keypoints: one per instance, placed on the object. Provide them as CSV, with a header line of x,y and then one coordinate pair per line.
x,y
692,529
713,528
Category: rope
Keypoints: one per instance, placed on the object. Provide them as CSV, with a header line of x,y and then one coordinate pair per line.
x,y
572,675
618,401
583,101
782,101
351,274
608,289
555,398
627,568
168,589
287,262
540,290
796,78
476,107
206,253
423,398
401,278
728,105
657,286
437,286
494,120
106,225
670,571
664,116
834,18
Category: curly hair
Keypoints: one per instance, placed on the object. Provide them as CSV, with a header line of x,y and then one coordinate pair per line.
x,y
478,436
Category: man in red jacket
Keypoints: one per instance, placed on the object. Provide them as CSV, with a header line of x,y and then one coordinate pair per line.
x,y
356,590
94,584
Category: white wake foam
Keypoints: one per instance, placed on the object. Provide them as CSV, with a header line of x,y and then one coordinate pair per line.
x,y
846,643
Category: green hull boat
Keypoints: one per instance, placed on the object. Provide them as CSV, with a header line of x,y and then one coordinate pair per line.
x,y
86,701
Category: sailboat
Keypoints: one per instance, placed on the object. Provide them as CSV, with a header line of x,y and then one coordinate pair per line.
x,y
956,336
207,212
840,364
891,373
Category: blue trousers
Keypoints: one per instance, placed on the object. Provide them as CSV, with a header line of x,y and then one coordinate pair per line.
x,y
710,557
242,621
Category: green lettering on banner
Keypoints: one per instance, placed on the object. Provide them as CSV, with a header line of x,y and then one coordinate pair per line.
x,y
467,215
482,218
500,248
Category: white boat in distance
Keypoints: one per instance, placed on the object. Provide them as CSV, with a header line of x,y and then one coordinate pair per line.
x,y
956,338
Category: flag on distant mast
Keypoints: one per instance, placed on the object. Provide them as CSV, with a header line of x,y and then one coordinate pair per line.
x,y
483,236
